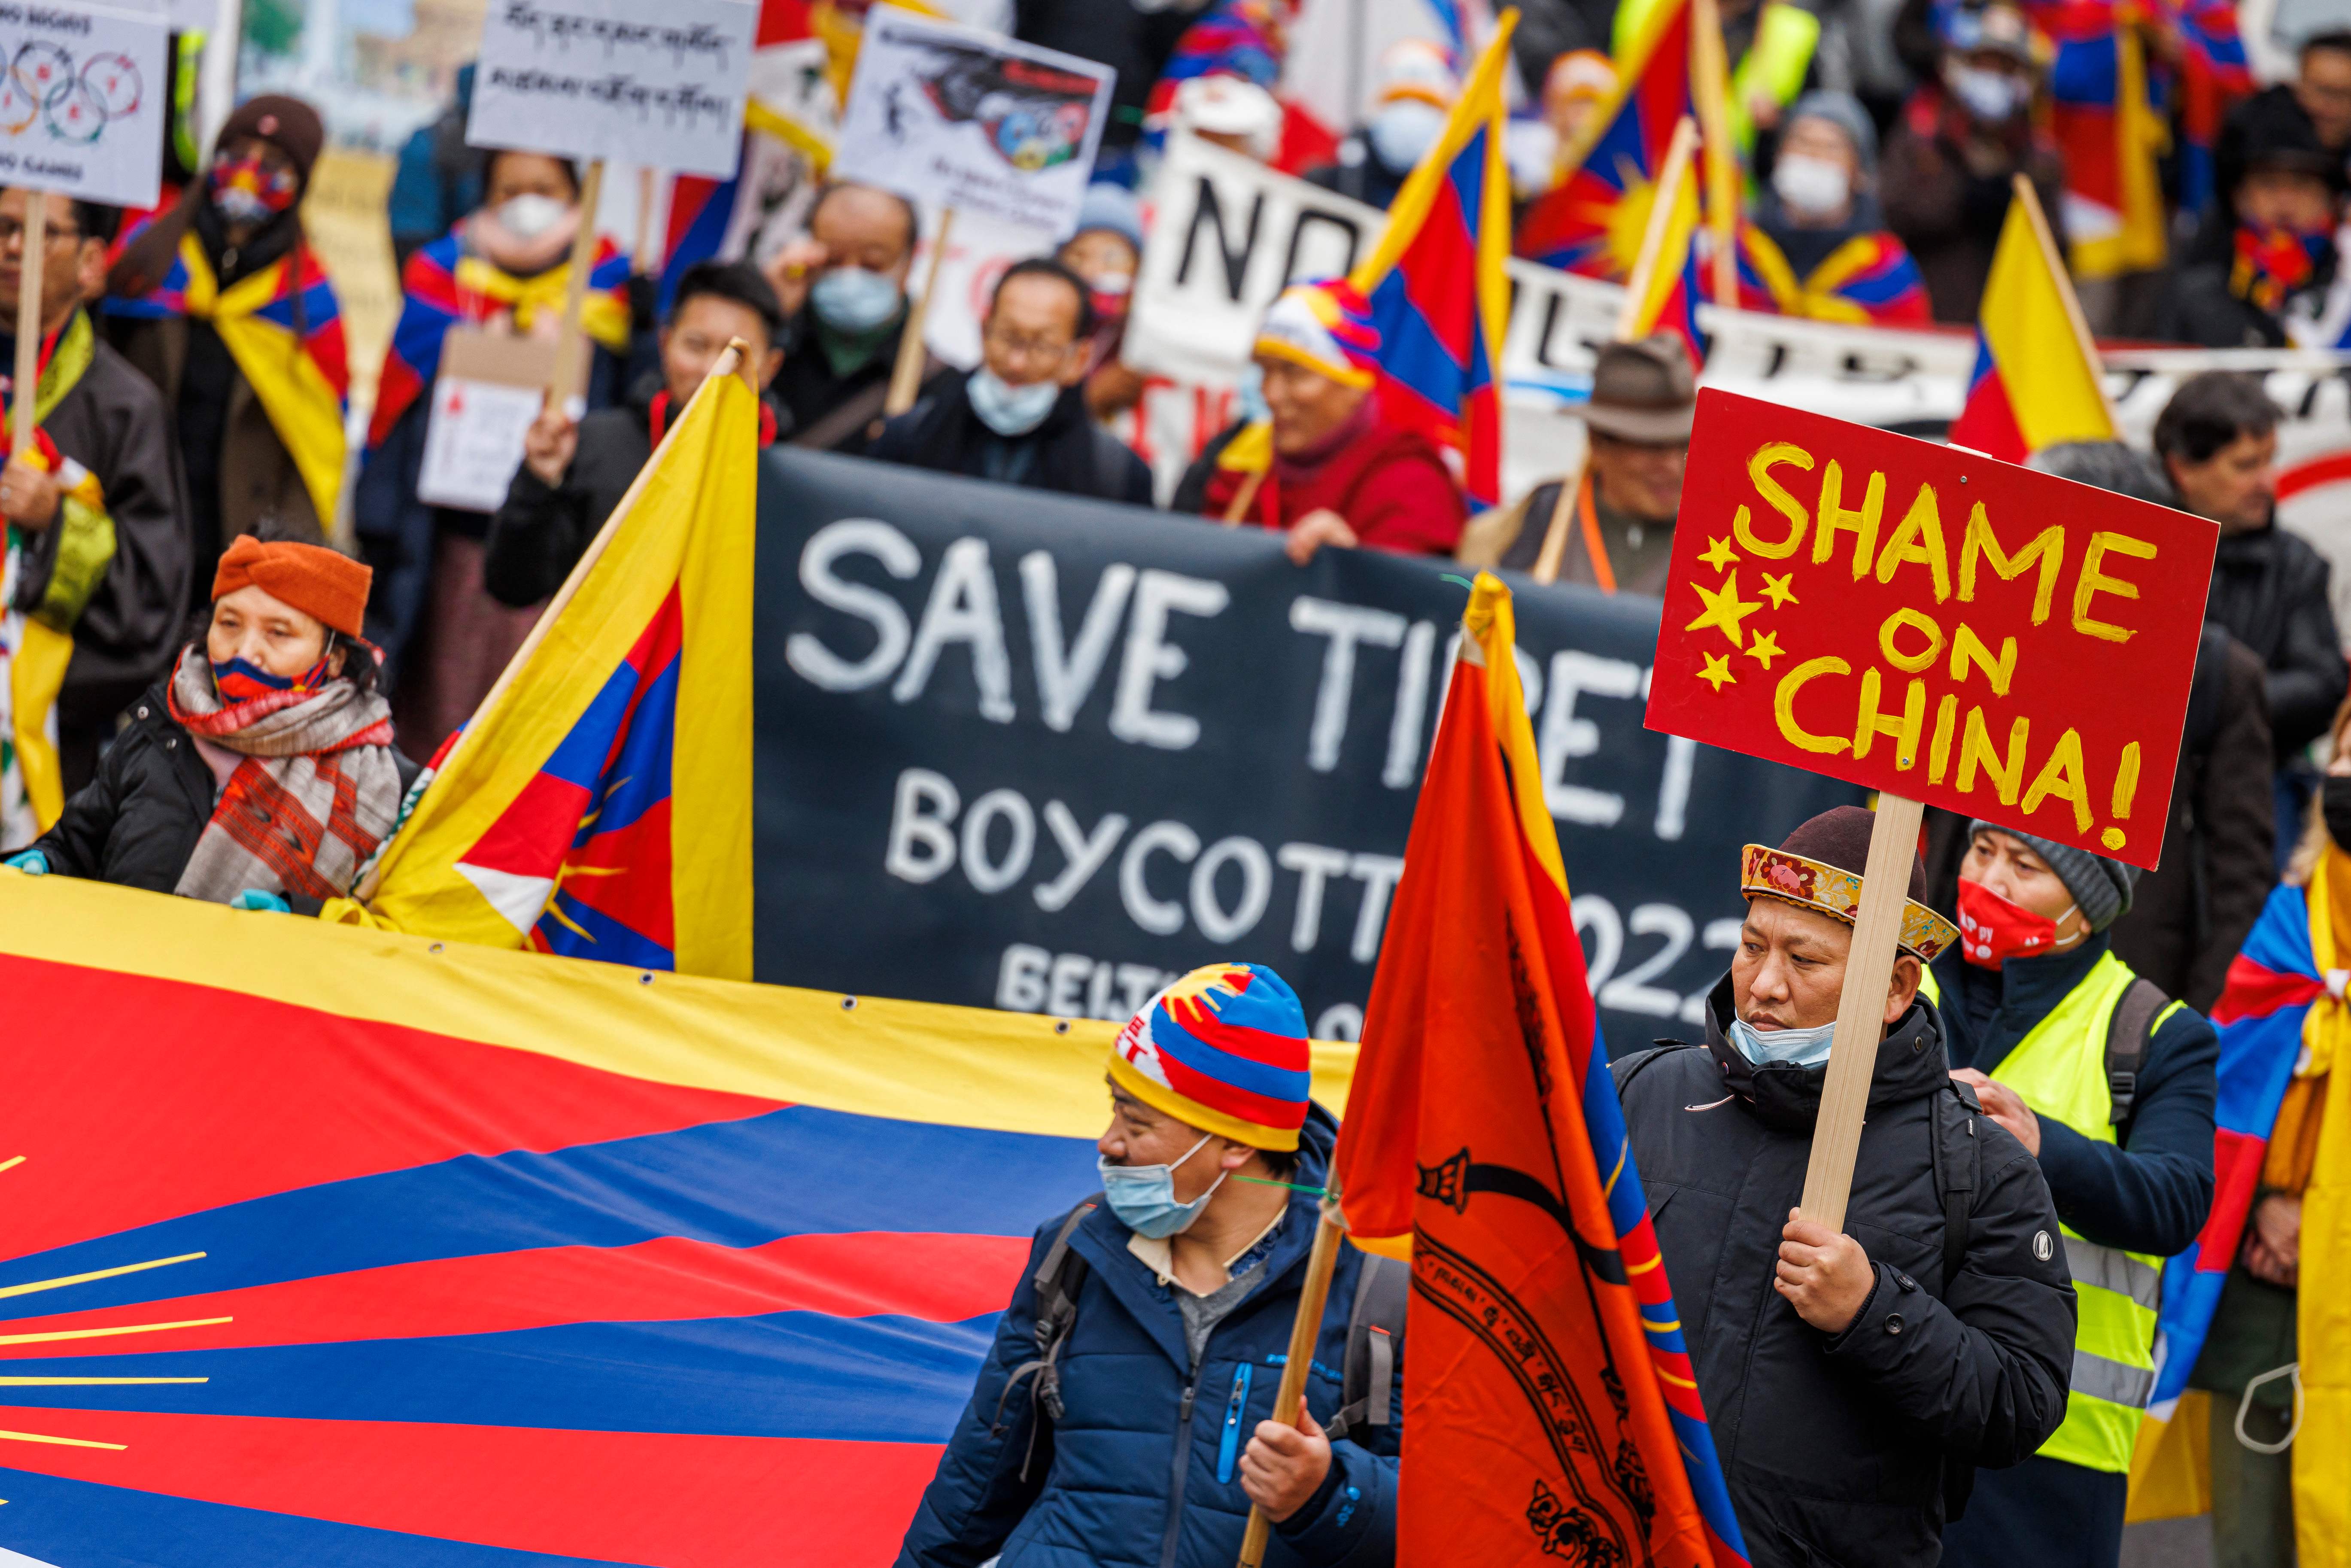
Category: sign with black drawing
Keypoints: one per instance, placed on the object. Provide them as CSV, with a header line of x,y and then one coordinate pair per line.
x,y
82,106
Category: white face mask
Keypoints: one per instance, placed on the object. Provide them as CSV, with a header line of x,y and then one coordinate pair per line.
x,y
1811,187
529,215
1989,96
1402,132
1795,1047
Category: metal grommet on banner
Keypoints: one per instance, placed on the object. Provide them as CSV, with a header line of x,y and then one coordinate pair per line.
x,y
435,949
848,1004
1060,1025
647,978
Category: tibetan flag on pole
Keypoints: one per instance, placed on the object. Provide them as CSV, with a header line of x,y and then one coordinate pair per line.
x,y
2036,375
2213,74
598,804
1438,284
1592,222
1663,292
2106,121
1553,1412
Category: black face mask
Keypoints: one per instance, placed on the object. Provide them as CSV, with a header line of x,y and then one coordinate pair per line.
x,y
2335,803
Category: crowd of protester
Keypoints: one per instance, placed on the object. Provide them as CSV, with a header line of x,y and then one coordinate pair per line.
x,y
246,704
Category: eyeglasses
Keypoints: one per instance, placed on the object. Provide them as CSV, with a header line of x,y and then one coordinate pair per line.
x,y
12,232
1029,347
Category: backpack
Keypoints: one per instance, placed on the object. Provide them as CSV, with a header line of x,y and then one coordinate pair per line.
x,y
1375,1328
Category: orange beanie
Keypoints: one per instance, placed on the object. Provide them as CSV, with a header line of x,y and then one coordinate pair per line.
x,y
315,579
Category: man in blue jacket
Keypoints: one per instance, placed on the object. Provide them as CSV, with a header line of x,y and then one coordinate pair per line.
x,y
2109,1084
1121,1417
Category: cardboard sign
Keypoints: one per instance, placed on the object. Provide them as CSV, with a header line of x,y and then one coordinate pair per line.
x,y
657,82
960,117
83,106
490,387
1916,619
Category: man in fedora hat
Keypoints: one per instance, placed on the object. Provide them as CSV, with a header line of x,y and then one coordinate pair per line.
x,y
1614,530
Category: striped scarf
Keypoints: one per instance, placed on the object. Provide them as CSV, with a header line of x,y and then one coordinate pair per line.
x,y
316,792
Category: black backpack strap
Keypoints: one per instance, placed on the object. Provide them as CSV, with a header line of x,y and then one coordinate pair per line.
x,y
1957,1158
2127,1034
1374,1334
1060,1277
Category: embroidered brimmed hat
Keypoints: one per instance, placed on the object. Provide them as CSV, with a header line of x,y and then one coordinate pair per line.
x,y
1819,867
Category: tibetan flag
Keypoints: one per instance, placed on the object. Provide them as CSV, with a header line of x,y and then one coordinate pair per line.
x,y
1870,280
2035,382
284,327
331,1249
2279,1019
1438,284
1670,302
445,284
2107,122
1592,221
1553,1410
2214,73
598,804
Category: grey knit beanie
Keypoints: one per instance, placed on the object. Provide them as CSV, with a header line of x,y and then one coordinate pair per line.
x,y
2101,887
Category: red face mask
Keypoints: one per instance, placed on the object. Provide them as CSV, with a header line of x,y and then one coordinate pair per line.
x,y
1993,930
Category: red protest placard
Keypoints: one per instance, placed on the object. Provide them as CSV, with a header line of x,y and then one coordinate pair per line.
x,y
1922,621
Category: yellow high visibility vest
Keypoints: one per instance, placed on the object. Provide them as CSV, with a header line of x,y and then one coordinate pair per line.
x,y
2059,1069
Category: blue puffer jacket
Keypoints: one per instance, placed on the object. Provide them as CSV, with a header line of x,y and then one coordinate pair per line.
x,y
1144,1468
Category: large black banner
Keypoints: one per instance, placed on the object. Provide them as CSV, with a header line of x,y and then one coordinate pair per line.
x,y
1023,751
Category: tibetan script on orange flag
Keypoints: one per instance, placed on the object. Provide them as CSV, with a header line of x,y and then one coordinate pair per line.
x,y
1921,619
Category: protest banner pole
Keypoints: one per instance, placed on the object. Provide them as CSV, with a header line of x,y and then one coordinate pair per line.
x,y
1661,213
23,389
1290,1397
646,186
907,374
729,362
1861,1009
571,377
2056,261
1711,86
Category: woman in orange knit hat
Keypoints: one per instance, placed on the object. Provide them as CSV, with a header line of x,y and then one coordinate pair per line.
x,y
261,773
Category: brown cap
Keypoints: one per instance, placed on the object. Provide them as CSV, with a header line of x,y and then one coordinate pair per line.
x,y
1643,391
316,581
285,123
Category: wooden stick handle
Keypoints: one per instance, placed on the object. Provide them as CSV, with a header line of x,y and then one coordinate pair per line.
x,y
1711,86
730,360
1661,215
1562,517
1290,1397
907,374
571,378
1861,1009
25,395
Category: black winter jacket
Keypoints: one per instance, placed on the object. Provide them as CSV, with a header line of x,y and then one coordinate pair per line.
x,y
2270,589
1067,453
137,822
1835,1445
539,535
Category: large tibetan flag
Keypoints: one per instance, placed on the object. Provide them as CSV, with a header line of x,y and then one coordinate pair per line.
x,y
2108,123
2036,374
1592,222
598,804
2282,1017
1438,283
1483,1123
2214,73
331,1249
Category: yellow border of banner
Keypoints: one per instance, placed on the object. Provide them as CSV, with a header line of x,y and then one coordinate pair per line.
x,y
917,1062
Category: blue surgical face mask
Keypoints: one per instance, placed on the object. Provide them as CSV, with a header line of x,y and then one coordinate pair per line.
x,y
1795,1047
851,299
1144,1196
1009,410
1402,133
1251,396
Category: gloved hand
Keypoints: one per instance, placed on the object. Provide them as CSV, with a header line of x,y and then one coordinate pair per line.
x,y
32,862
254,898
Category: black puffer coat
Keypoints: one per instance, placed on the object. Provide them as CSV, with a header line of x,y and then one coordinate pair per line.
x,y
1836,1445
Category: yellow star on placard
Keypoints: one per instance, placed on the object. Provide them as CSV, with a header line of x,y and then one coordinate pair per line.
x,y
1724,608
1777,590
1717,672
1717,553
1765,647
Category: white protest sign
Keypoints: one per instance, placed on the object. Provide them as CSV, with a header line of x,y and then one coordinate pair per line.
x,y
490,387
657,82
83,104
958,118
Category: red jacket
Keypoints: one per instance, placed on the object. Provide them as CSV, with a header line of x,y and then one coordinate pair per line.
x,y
1391,485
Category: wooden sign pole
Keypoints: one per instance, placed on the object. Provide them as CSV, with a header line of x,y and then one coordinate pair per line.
x,y
1861,1009
907,374
1711,86
570,379
1661,212
1290,1397
25,388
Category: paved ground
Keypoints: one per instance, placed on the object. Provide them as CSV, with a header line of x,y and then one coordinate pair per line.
x,y
2173,1543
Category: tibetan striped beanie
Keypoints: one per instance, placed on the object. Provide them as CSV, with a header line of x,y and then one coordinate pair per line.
x,y
1224,1049
1325,326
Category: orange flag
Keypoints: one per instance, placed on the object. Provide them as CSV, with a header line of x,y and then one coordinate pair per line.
x,y
1549,1402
